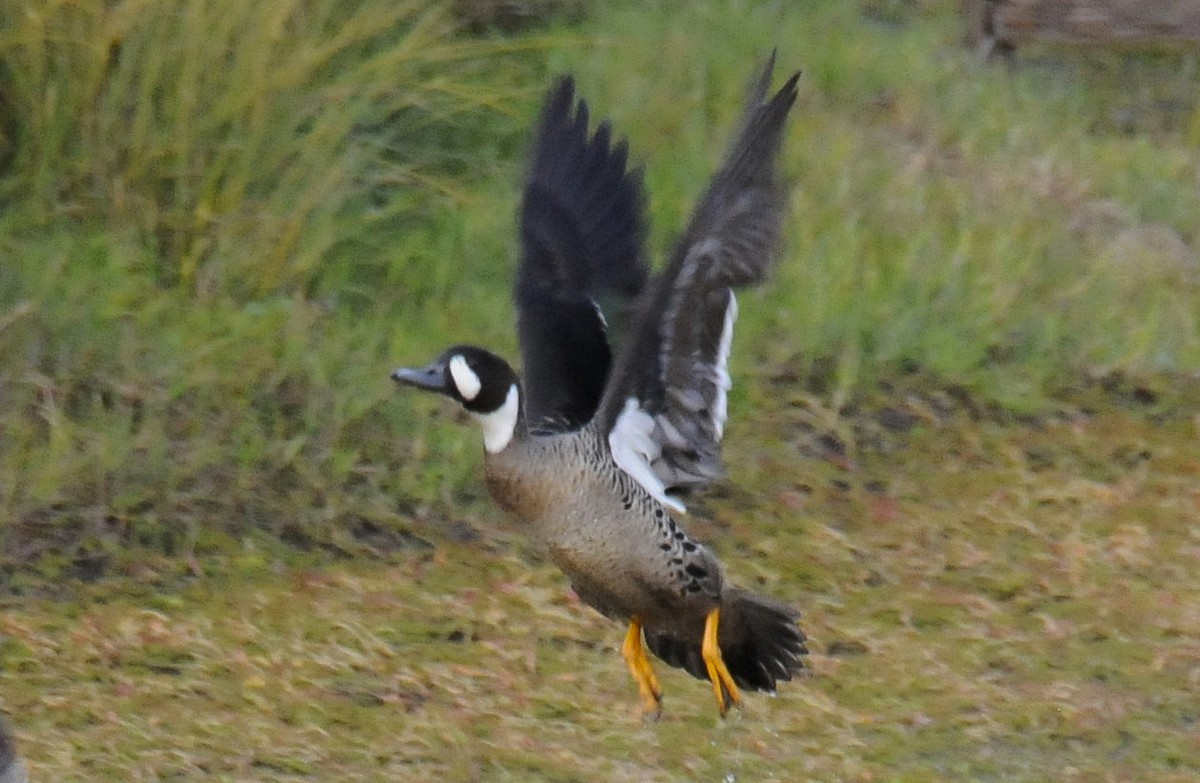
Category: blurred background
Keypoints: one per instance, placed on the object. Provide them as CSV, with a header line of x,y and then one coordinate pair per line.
x,y
964,426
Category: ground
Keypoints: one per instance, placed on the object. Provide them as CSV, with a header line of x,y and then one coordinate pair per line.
x,y
988,597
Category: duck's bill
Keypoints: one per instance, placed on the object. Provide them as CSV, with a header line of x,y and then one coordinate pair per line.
x,y
431,377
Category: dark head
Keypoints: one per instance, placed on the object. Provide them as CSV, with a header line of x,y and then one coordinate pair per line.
x,y
483,383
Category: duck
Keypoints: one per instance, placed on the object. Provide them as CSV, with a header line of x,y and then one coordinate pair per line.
x,y
593,445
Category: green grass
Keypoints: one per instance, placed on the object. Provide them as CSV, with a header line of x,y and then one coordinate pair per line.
x,y
192,275
222,224
239,240
241,144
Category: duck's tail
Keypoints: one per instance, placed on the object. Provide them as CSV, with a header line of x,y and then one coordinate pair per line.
x,y
760,641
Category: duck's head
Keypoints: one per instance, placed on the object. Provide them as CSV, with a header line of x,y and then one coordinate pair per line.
x,y
479,380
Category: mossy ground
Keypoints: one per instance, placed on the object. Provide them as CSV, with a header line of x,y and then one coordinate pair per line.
x,y
963,433
988,599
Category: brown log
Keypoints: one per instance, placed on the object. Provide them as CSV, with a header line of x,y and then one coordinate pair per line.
x,y
1136,22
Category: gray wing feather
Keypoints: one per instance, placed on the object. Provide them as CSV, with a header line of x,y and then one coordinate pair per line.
x,y
674,365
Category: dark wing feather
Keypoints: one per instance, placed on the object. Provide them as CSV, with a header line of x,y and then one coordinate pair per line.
x,y
581,230
674,367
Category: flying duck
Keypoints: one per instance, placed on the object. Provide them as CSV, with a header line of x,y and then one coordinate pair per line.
x,y
589,446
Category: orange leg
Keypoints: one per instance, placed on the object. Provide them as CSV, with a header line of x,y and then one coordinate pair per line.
x,y
722,681
639,667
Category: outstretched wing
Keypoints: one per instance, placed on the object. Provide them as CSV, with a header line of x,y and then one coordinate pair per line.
x,y
581,231
664,406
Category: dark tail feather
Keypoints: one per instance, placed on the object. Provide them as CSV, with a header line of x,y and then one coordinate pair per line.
x,y
11,768
678,652
760,642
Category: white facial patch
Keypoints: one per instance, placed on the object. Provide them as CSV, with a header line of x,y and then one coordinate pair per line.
x,y
634,449
465,379
499,425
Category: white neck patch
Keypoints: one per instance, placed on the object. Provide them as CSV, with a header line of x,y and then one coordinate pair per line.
x,y
465,379
500,424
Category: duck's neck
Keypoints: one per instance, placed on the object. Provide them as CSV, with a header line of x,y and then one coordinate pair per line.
x,y
503,424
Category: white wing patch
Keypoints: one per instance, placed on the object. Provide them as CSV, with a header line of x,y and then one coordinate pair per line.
x,y
723,381
498,426
599,313
635,450
464,377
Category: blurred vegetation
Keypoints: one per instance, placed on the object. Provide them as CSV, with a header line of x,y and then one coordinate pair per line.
x,y
202,204
215,212
243,147
223,222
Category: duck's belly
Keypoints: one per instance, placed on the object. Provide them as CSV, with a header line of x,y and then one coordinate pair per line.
x,y
617,566
620,549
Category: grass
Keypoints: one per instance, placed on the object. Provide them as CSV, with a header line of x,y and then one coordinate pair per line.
x,y
175,266
240,143
988,601
964,424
